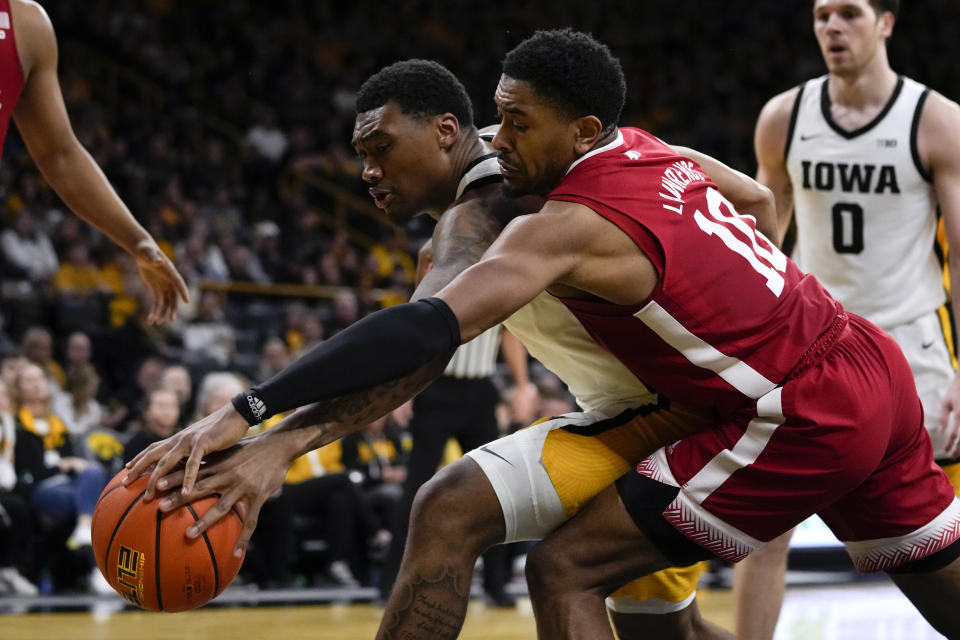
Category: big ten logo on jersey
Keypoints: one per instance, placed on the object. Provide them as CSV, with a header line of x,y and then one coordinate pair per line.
x,y
4,24
850,177
130,574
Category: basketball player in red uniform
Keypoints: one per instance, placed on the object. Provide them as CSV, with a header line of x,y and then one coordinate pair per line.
x,y
496,494
30,94
661,271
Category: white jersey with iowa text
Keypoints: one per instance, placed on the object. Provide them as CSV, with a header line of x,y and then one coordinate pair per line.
x,y
865,208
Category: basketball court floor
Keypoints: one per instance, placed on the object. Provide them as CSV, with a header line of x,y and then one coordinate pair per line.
x,y
864,610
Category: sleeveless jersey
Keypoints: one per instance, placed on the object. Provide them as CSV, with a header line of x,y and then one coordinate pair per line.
x,y
11,73
731,317
559,342
865,208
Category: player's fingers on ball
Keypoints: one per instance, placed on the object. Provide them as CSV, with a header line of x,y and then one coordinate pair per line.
x,y
170,481
249,525
212,515
242,508
164,466
192,469
171,501
143,459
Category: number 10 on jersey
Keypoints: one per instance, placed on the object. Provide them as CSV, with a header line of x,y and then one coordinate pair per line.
x,y
760,253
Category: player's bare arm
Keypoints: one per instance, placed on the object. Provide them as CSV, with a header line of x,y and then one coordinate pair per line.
x,y
747,196
567,248
41,117
252,472
461,237
770,144
936,144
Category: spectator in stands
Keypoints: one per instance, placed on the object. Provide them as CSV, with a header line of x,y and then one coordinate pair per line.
x,y
267,248
313,333
120,277
177,378
244,265
130,398
265,139
58,484
16,521
28,251
222,213
77,404
37,346
10,366
209,334
345,310
273,358
328,503
389,255
78,275
294,315
78,350
378,455
159,419
216,389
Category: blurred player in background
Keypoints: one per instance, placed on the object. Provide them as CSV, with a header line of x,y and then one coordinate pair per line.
x,y
866,162
30,93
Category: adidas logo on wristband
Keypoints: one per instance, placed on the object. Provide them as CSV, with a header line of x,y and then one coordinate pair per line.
x,y
256,407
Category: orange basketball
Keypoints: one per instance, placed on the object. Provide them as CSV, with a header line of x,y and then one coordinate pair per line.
x,y
145,555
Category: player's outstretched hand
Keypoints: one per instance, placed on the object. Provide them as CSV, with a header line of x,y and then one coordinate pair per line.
x,y
950,419
163,280
244,476
218,431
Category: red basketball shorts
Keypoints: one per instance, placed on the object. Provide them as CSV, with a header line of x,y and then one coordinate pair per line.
x,y
843,439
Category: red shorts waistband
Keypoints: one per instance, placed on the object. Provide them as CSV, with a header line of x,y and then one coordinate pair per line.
x,y
821,345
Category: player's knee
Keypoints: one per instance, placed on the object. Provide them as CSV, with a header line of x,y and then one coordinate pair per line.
x,y
447,508
551,573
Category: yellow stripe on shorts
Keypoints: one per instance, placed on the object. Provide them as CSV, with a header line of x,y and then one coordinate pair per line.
x,y
953,472
670,585
581,465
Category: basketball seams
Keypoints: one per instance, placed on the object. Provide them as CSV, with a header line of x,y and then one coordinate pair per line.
x,y
113,535
156,560
213,555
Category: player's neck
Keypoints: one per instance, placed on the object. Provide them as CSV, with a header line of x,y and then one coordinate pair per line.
x,y
465,151
871,86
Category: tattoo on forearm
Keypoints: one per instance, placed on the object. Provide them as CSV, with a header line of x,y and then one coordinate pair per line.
x,y
427,609
344,414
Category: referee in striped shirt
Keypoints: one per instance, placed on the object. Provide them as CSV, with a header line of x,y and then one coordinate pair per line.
x,y
460,404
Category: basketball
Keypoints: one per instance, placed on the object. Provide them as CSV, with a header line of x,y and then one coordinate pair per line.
x,y
146,557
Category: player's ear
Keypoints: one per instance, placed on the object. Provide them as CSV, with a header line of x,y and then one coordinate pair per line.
x,y
448,128
587,131
887,20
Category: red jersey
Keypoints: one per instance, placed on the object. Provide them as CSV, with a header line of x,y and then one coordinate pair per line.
x,y
731,317
11,73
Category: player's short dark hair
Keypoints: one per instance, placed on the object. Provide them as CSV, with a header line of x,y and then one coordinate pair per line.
x,y
421,88
573,71
881,6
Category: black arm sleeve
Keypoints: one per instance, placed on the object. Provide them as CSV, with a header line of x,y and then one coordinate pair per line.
x,y
384,346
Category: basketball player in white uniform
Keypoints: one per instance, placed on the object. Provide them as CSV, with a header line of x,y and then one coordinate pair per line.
x,y
863,159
